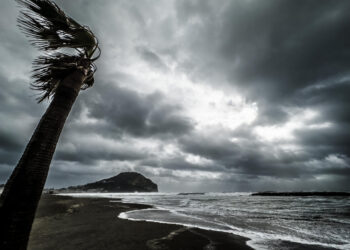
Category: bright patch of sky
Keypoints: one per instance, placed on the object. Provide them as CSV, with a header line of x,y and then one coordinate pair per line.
x,y
204,104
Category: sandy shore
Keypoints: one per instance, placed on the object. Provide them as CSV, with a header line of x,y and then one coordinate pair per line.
x,y
88,223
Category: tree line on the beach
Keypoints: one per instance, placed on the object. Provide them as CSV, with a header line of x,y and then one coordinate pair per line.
x,y
66,67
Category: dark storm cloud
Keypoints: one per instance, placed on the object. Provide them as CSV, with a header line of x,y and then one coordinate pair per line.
x,y
271,50
152,58
126,113
18,116
282,55
334,139
180,163
282,46
333,99
254,159
140,115
8,159
92,155
213,148
9,142
333,103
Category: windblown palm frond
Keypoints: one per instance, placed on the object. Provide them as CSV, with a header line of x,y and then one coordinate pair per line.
x,y
50,70
51,30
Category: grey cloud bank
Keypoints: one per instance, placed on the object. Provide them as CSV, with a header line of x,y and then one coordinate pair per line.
x,y
197,95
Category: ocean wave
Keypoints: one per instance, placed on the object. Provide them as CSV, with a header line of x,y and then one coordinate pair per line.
x,y
265,220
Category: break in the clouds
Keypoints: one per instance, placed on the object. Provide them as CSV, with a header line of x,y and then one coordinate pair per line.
x,y
197,95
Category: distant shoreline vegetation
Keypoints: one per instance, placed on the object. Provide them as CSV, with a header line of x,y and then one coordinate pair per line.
x,y
346,194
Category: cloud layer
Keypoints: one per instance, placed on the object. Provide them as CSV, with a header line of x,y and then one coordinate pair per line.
x,y
197,95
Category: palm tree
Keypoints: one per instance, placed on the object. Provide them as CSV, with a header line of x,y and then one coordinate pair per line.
x,y
60,73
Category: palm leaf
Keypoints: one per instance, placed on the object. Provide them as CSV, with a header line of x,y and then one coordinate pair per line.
x,y
50,29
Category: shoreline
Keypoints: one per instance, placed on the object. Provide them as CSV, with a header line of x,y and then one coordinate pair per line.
x,y
77,223
64,222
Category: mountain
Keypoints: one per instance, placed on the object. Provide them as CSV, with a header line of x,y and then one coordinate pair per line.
x,y
123,182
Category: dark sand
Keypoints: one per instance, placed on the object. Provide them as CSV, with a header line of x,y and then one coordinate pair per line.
x,y
92,223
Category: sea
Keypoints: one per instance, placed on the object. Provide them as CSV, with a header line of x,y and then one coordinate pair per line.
x,y
269,222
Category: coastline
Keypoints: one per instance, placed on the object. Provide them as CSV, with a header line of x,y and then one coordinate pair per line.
x,y
64,222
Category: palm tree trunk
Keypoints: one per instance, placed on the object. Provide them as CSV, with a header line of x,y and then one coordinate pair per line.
x,y
22,191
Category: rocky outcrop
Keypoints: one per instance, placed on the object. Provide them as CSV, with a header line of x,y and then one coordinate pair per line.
x,y
123,182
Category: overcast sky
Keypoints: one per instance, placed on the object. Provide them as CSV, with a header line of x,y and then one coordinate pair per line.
x,y
201,95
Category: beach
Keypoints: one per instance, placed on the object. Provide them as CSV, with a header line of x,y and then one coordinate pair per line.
x,y
64,222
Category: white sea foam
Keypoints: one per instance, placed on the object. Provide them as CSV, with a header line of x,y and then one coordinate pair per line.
x,y
258,241
267,221
123,215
